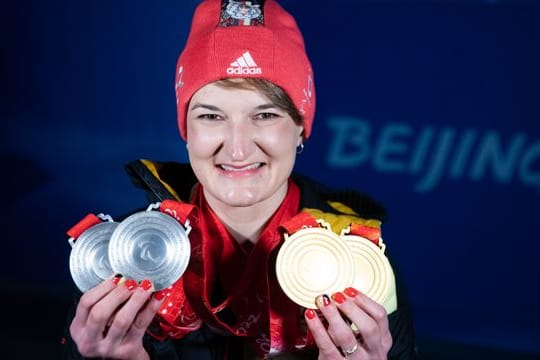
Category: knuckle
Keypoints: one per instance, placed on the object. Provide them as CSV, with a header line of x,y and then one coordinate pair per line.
x,y
379,312
370,329
122,323
87,350
85,301
74,331
387,342
140,323
96,317
106,349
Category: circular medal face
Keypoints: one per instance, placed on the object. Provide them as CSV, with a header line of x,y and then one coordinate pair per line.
x,y
375,277
150,245
89,259
312,262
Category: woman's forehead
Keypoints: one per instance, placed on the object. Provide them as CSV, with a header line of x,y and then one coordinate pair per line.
x,y
218,90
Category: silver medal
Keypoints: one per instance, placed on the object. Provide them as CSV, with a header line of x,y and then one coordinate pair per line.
x,y
150,245
89,260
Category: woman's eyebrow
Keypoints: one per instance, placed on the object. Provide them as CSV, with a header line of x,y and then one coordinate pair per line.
x,y
266,106
205,106
215,108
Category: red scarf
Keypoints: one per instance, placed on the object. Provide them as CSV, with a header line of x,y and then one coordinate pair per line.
x,y
234,290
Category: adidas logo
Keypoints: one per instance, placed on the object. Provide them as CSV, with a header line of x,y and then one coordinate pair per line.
x,y
244,65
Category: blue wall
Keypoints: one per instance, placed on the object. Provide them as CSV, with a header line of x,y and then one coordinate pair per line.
x,y
430,106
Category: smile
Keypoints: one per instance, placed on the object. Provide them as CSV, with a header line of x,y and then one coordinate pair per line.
x,y
242,168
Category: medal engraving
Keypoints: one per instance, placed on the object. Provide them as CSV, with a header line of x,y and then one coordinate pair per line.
x,y
150,245
89,260
312,262
375,276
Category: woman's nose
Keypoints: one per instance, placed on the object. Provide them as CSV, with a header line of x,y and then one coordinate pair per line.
x,y
239,142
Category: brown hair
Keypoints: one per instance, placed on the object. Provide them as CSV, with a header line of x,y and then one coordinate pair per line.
x,y
273,92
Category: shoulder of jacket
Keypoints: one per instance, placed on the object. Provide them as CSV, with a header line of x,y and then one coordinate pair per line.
x,y
162,180
349,202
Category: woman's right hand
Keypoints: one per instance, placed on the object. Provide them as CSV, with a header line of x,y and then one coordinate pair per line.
x,y
111,319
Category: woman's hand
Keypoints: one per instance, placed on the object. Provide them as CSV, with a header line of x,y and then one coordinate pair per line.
x,y
112,317
355,327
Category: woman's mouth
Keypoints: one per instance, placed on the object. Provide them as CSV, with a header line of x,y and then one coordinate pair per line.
x,y
233,169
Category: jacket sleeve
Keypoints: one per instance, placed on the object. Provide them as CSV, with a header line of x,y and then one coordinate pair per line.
x,y
401,326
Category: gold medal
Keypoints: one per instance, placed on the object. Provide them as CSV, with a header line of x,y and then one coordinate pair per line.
x,y
374,276
314,261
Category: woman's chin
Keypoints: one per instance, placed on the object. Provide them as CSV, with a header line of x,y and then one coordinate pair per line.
x,y
239,198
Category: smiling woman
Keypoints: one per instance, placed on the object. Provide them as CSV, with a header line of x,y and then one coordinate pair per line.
x,y
246,102
243,150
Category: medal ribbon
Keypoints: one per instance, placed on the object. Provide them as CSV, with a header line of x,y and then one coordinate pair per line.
x,y
371,233
306,220
84,224
261,310
182,212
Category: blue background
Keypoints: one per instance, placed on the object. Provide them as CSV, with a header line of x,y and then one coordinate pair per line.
x,y
87,86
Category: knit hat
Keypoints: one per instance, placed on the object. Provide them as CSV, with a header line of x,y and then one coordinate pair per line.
x,y
241,39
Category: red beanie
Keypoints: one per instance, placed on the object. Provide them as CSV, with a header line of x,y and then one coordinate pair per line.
x,y
240,39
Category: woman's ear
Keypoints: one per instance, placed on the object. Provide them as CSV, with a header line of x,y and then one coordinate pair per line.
x,y
300,135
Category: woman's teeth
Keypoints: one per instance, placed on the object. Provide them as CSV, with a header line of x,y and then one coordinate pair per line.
x,y
244,168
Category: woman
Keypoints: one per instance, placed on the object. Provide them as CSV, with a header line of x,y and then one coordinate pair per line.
x,y
246,104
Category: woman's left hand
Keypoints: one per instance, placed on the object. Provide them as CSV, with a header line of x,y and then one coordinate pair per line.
x,y
337,338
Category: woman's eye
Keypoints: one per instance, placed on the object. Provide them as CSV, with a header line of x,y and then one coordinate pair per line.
x,y
266,116
208,117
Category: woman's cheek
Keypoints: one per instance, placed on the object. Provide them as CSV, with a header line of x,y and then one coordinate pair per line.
x,y
278,141
201,143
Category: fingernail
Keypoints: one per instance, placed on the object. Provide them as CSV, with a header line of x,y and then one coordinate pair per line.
x,y
338,297
130,284
116,279
146,285
310,314
351,292
159,295
322,300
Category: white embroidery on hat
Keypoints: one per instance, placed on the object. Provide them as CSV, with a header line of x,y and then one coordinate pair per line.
x,y
308,94
179,83
244,65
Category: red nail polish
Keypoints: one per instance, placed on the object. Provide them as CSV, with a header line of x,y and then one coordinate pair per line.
x,y
351,292
310,314
159,295
116,279
322,300
130,284
339,297
145,285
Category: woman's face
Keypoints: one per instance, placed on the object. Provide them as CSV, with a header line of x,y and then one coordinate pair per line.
x,y
241,146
